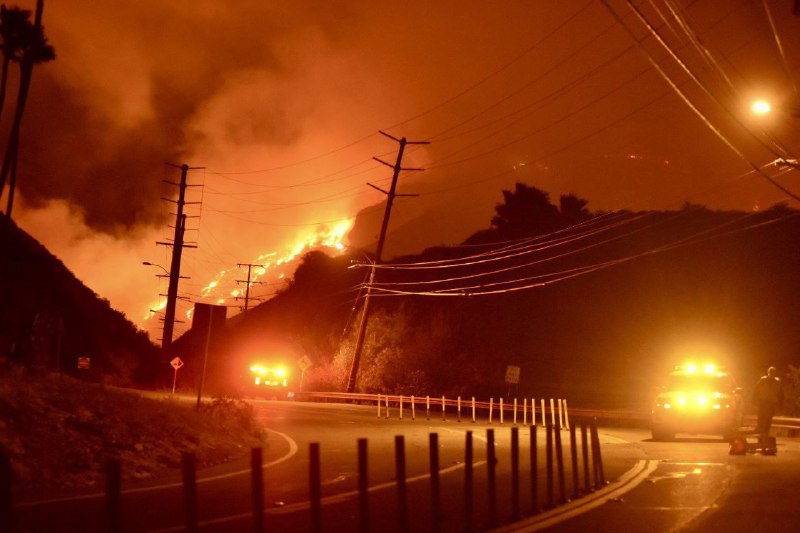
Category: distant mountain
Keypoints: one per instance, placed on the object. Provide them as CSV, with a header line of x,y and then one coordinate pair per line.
x,y
49,319
606,308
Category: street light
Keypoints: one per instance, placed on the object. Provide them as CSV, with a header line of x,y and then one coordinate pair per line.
x,y
761,107
166,272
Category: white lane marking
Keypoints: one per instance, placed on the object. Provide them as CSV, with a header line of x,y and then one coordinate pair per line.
x,y
674,475
628,481
681,509
680,463
288,455
337,479
304,505
464,431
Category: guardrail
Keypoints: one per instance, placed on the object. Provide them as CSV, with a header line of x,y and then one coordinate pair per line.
x,y
432,403
554,409
518,408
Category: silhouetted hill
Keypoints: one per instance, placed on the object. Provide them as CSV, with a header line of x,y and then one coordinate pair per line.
x,y
48,318
596,313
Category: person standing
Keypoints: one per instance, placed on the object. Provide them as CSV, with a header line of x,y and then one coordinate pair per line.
x,y
768,397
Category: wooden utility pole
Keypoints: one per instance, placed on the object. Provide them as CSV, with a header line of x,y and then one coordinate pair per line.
x,y
247,283
178,245
390,194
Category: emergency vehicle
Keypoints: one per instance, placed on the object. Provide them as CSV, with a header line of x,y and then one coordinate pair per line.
x,y
699,400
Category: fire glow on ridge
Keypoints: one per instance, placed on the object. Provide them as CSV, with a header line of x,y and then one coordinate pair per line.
x,y
330,237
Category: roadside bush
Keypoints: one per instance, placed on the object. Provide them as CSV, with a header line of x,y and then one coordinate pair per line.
x,y
89,423
230,412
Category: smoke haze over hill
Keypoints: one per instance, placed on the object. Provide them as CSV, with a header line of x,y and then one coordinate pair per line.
x,y
281,104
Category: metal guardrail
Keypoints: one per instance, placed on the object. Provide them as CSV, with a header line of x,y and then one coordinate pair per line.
x,y
784,422
555,409
609,415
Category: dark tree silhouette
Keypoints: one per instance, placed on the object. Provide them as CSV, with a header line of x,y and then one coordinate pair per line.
x,y
34,49
525,211
573,209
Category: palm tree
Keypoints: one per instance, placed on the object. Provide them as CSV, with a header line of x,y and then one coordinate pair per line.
x,y
35,50
14,22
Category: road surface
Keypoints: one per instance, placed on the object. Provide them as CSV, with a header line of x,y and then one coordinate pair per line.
x,y
691,484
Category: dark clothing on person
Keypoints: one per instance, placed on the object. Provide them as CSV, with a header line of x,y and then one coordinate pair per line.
x,y
768,397
765,413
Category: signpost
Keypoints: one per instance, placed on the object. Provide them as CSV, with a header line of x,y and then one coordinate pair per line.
x,y
176,364
512,378
304,363
84,363
512,374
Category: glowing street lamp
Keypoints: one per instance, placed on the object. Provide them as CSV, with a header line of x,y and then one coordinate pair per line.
x,y
761,107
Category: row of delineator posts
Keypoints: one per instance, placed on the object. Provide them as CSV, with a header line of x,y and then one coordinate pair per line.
x,y
559,413
556,488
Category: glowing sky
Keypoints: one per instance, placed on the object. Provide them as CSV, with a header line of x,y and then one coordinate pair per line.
x,y
281,103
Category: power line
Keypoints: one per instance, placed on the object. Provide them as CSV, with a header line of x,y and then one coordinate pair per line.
x,y
694,108
779,47
300,162
542,280
653,31
533,245
523,265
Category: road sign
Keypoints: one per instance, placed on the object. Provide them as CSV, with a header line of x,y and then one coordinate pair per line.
x,y
84,362
512,374
304,363
176,364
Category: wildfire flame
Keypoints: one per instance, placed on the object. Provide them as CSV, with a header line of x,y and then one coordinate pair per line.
x,y
330,237
155,309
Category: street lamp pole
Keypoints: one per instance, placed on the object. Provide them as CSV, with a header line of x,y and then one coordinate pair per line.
x,y
166,274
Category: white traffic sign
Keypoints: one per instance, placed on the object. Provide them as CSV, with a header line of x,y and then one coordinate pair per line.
x,y
512,374
176,364
304,363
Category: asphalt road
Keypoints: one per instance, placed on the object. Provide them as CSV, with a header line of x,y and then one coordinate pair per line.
x,y
691,484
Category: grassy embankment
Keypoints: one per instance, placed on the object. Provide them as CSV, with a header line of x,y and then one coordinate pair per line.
x,y
59,431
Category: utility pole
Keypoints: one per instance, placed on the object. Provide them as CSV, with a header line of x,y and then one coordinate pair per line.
x,y
390,196
178,245
248,283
